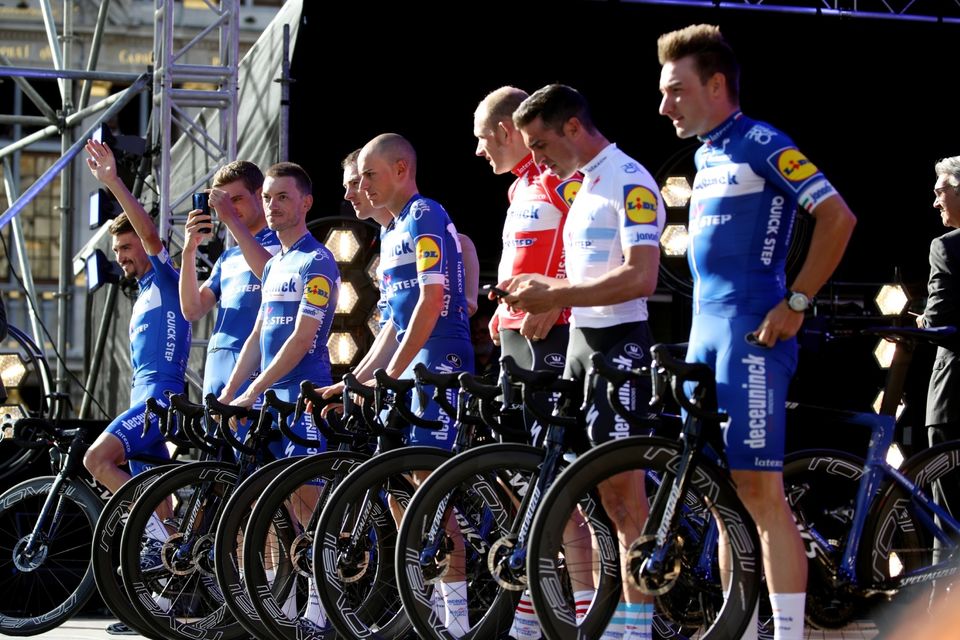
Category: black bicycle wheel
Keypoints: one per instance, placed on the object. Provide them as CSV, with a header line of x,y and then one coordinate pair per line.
x,y
355,571
44,588
895,540
170,581
481,491
278,550
227,559
692,597
821,487
107,546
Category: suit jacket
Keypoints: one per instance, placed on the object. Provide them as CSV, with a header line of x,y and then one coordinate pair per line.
x,y
943,308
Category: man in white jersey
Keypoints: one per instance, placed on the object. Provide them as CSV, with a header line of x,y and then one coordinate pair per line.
x,y
611,242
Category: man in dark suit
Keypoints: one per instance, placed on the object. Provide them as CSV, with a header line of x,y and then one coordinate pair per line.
x,y
943,306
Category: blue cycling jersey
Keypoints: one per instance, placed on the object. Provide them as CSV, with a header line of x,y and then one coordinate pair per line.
x,y
421,246
159,334
750,178
303,281
237,291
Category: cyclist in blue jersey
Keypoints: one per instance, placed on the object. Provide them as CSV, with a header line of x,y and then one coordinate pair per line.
x,y
234,283
423,289
288,342
159,334
611,242
423,279
299,295
750,179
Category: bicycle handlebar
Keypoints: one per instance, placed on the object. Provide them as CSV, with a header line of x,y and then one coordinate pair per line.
x,y
670,373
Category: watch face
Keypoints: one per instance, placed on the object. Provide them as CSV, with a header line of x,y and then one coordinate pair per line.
x,y
798,302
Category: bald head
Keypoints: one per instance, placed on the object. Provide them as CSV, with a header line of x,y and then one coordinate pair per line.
x,y
498,106
392,148
388,171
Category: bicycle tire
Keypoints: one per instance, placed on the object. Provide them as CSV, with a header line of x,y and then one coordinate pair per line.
x,y
380,614
42,592
180,598
895,528
475,482
821,488
227,556
293,558
107,547
711,495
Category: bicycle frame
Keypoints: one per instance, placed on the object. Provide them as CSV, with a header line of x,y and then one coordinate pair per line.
x,y
876,472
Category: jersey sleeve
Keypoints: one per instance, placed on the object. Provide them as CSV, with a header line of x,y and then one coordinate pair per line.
x,y
427,229
166,272
321,286
775,157
641,211
213,280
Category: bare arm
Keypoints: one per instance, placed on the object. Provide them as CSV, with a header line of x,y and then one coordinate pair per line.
x,y
247,362
103,166
253,252
291,353
195,301
471,273
831,233
422,322
635,278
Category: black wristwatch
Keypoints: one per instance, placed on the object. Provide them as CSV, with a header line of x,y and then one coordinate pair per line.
x,y
797,301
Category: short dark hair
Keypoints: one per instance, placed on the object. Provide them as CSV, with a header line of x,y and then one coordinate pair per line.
x,y
295,171
351,159
554,104
120,225
711,53
239,170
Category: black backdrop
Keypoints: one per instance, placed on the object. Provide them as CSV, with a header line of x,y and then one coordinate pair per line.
x,y
865,99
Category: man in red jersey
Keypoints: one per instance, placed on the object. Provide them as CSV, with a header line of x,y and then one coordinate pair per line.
x,y
532,243
532,232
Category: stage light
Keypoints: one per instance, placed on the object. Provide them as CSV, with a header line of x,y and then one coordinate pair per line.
x,y
892,299
342,347
883,353
103,208
127,150
348,298
343,244
101,270
9,414
12,369
878,403
374,320
895,456
373,270
674,240
676,191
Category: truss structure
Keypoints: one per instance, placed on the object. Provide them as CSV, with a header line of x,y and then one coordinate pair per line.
x,y
943,11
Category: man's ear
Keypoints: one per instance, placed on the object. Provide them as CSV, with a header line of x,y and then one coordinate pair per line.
x,y
308,202
400,168
572,127
507,129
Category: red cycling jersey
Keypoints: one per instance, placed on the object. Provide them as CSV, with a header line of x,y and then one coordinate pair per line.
x,y
533,231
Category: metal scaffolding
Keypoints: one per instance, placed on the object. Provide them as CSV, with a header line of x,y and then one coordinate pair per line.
x,y
180,91
940,11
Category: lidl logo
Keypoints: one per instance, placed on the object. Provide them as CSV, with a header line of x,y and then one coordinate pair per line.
x,y
794,166
641,204
317,291
568,190
428,253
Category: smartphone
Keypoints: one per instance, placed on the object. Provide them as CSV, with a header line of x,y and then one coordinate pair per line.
x,y
202,201
500,293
